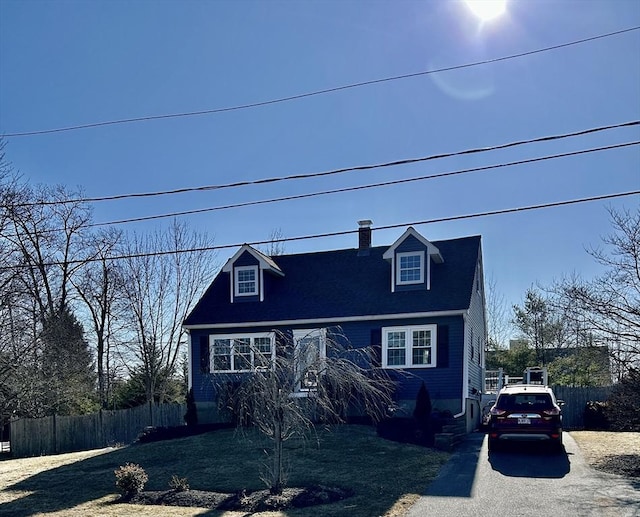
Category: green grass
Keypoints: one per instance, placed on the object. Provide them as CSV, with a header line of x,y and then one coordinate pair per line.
x,y
381,473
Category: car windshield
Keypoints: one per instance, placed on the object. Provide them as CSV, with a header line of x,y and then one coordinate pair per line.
x,y
525,401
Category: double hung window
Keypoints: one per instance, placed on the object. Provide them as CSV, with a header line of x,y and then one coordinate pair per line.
x,y
410,268
409,347
242,353
246,281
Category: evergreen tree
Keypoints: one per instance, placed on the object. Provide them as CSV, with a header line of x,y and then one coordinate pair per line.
x,y
67,373
539,325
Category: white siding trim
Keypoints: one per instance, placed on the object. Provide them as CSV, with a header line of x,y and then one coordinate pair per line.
x,y
334,320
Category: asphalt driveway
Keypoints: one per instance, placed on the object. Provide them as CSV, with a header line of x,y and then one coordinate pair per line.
x,y
525,481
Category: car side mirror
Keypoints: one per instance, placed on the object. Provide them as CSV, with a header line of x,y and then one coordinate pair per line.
x,y
560,402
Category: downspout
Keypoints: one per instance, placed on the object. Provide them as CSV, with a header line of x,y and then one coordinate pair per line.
x,y
465,367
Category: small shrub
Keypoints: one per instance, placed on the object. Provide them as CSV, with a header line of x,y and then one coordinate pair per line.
x,y
179,484
623,405
131,478
595,416
422,411
191,416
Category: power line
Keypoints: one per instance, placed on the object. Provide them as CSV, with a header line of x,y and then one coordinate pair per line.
x,y
344,232
317,92
364,187
406,161
356,188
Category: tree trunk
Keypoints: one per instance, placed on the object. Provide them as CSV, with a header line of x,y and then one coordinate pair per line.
x,y
276,480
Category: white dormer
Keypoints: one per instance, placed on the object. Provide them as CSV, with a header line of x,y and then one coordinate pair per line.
x,y
246,269
410,258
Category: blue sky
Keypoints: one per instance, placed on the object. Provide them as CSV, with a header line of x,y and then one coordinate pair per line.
x,y
66,63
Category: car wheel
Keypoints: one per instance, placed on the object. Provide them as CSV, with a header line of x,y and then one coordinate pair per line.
x,y
557,447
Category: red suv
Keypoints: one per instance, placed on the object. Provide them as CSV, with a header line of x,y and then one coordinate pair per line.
x,y
525,412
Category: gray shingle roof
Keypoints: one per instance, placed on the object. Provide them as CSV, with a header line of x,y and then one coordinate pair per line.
x,y
340,283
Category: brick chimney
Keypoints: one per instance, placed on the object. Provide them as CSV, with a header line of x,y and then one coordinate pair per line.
x,y
364,236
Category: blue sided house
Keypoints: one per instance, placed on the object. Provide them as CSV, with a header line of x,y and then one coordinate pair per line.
x,y
418,304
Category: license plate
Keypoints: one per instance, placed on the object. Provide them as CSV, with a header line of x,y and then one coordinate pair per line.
x,y
524,420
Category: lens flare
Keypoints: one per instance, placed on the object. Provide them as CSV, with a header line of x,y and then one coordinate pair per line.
x,y
487,9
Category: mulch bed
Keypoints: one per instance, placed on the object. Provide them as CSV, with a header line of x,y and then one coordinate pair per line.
x,y
627,465
258,501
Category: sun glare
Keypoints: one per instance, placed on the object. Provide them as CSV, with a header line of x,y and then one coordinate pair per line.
x,y
487,9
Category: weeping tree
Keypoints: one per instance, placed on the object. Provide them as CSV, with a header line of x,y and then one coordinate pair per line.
x,y
311,380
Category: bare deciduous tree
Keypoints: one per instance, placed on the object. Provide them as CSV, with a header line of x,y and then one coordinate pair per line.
x,y
49,232
498,322
161,283
98,286
609,305
276,244
42,241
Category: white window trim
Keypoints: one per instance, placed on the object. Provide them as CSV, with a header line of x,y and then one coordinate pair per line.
x,y
421,254
232,337
408,346
299,334
236,280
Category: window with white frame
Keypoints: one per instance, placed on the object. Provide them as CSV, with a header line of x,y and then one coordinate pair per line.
x,y
410,268
409,347
242,352
246,281
310,351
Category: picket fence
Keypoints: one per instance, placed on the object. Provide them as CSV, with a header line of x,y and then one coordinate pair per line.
x,y
57,434
575,399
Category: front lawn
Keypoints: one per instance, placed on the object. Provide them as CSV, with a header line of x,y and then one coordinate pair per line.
x,y
385,476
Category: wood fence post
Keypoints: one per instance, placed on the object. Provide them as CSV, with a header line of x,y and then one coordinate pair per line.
x,y
55,434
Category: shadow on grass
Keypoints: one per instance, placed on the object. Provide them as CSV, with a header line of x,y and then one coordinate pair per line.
x,y
378,471
67,486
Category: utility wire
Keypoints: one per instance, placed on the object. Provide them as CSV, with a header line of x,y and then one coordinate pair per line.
x,y
342,170
364,187
317,92
351,189
340,233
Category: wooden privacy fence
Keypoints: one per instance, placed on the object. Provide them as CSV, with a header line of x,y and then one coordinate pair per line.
x,y
575,400
56,434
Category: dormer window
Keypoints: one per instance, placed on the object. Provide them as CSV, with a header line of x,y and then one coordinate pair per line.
x,y
247,270
410,268
411,257
246,281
